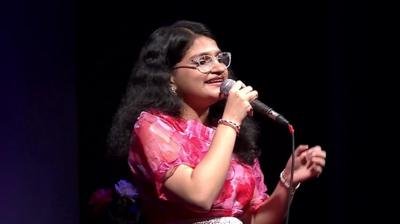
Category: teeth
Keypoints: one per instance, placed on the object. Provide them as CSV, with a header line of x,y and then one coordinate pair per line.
x,y
214,80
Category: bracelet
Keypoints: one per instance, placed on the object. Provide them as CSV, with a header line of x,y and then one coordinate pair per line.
x,y
231,124
285,181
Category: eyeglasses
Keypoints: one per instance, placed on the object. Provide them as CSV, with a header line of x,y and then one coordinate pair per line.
x,y
204,63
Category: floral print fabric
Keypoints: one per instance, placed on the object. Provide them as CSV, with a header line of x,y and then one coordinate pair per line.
x,y
163,142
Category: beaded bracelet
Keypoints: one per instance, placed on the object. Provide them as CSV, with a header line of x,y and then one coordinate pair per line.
x,y
231,124
285,181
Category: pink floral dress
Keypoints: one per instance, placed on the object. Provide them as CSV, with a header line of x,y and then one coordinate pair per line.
x,y
161,144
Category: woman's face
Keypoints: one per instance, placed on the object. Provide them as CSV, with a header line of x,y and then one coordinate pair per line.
x,y
200,86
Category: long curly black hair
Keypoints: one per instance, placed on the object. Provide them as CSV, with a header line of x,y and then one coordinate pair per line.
x,y
148,88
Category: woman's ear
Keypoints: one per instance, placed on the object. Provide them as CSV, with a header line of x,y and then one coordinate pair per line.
x,y
171,80
172,85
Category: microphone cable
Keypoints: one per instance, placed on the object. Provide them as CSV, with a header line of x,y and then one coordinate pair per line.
x,y
291,189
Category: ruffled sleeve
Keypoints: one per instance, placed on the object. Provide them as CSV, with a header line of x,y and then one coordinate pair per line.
x,y
260,189
159,147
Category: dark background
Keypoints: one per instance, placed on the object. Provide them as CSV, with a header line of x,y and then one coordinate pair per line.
x,y
64,67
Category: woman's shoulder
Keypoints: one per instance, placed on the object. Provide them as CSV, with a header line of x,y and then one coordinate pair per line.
x,y
160,120
156,117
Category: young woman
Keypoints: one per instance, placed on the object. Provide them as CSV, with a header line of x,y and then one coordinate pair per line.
x,y
192,152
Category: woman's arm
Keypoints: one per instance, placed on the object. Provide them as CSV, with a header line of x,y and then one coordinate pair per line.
x,y
309,163
200,186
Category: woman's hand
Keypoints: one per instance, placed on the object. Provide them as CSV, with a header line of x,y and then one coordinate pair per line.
x,y
309,163
238,102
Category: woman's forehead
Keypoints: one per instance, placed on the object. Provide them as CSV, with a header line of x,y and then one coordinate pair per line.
x,y
203,45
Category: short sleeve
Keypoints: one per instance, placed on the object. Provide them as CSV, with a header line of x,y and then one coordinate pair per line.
x,y
160,146
260,189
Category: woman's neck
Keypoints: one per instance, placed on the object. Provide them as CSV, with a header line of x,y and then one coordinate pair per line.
x,y
189,113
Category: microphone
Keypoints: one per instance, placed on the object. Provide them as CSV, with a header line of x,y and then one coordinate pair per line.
x,y
257,105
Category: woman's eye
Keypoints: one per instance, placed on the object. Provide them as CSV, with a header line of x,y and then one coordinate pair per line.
x,y
203,60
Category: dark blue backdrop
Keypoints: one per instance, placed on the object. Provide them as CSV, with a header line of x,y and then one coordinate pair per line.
x,y
39,130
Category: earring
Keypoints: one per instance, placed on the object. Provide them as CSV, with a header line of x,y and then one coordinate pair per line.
x,y
173,90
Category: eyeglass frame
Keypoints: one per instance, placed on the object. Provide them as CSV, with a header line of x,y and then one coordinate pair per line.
x,y
214,59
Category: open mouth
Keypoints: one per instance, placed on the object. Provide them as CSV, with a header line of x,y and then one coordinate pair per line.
x,y
215,80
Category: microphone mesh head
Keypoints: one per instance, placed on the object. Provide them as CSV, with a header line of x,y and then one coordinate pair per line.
x,y
226,86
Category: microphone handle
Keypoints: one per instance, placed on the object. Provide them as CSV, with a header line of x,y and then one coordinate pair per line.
x,y
265,110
